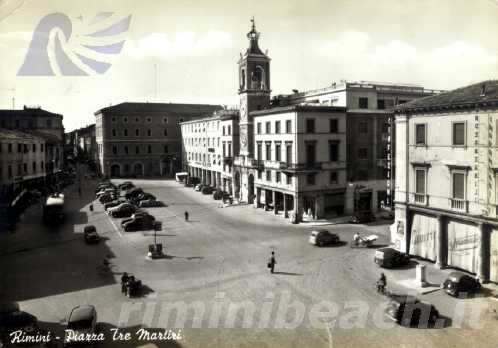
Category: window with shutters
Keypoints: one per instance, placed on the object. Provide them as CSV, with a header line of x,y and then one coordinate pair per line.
x,y
420,134
459,133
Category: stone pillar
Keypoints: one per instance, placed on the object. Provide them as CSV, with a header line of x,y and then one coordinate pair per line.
x,y
482,272
319,207
218,180
298,208
275,209
203,176
286,215
171,167
258,197
374,205
349,198
442,246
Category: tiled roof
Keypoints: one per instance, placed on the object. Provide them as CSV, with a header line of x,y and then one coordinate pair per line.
x,y
482,94
129,107
15,135
28,112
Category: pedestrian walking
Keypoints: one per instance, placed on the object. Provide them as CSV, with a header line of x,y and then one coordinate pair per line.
x,y
79,191
272,262
186,216
124,281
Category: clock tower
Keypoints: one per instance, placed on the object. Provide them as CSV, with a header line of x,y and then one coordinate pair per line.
x,y
254,88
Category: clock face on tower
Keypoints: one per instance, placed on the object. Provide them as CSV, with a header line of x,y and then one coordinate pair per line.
x,y
243,113
243,140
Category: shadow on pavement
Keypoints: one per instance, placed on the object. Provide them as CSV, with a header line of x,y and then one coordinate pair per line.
x,y
55,260
288,273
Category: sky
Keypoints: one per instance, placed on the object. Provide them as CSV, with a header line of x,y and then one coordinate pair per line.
x,y
187,51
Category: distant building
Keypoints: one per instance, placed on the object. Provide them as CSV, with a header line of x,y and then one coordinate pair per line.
x,y
81,142
22,167
446,199
143,139
209,146
44,124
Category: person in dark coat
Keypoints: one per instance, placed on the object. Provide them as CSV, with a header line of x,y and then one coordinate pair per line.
x,y
124,280
272,262
186,216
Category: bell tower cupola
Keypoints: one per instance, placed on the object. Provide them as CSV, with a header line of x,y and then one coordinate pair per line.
x,y
254,87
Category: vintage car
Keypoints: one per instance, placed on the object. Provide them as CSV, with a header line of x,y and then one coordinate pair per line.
x,y
90,234
458,283
390,257
323,237
407,310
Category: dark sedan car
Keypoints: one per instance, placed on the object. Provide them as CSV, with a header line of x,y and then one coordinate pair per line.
x,y
18,321
458,283
207,190
408,310
122,210
91,235
389,257
134,192
139,223
114,203
323,237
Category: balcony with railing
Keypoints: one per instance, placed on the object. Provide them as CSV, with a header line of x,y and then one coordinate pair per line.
x,y
458,204
301,167
420,198
274,165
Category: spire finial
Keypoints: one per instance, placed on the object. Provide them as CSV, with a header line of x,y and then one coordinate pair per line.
x,y
253,23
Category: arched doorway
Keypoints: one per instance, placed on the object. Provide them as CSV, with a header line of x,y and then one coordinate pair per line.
x,y
115,170
236,184
250,189
138,169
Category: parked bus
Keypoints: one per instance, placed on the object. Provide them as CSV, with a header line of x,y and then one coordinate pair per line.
x,y
180,177
53,210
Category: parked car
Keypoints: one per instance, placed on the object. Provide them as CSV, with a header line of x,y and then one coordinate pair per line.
x,y
459,282
105,192
17,321
323,237
390,257
126,185
122,210
108,197
217,194
408,310
90,234
114,203
139,223
191,181
207,190
198,187
134,192
137,214
362,217
150,203
82,321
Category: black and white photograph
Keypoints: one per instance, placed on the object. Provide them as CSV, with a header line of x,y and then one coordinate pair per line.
x,y
249,173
